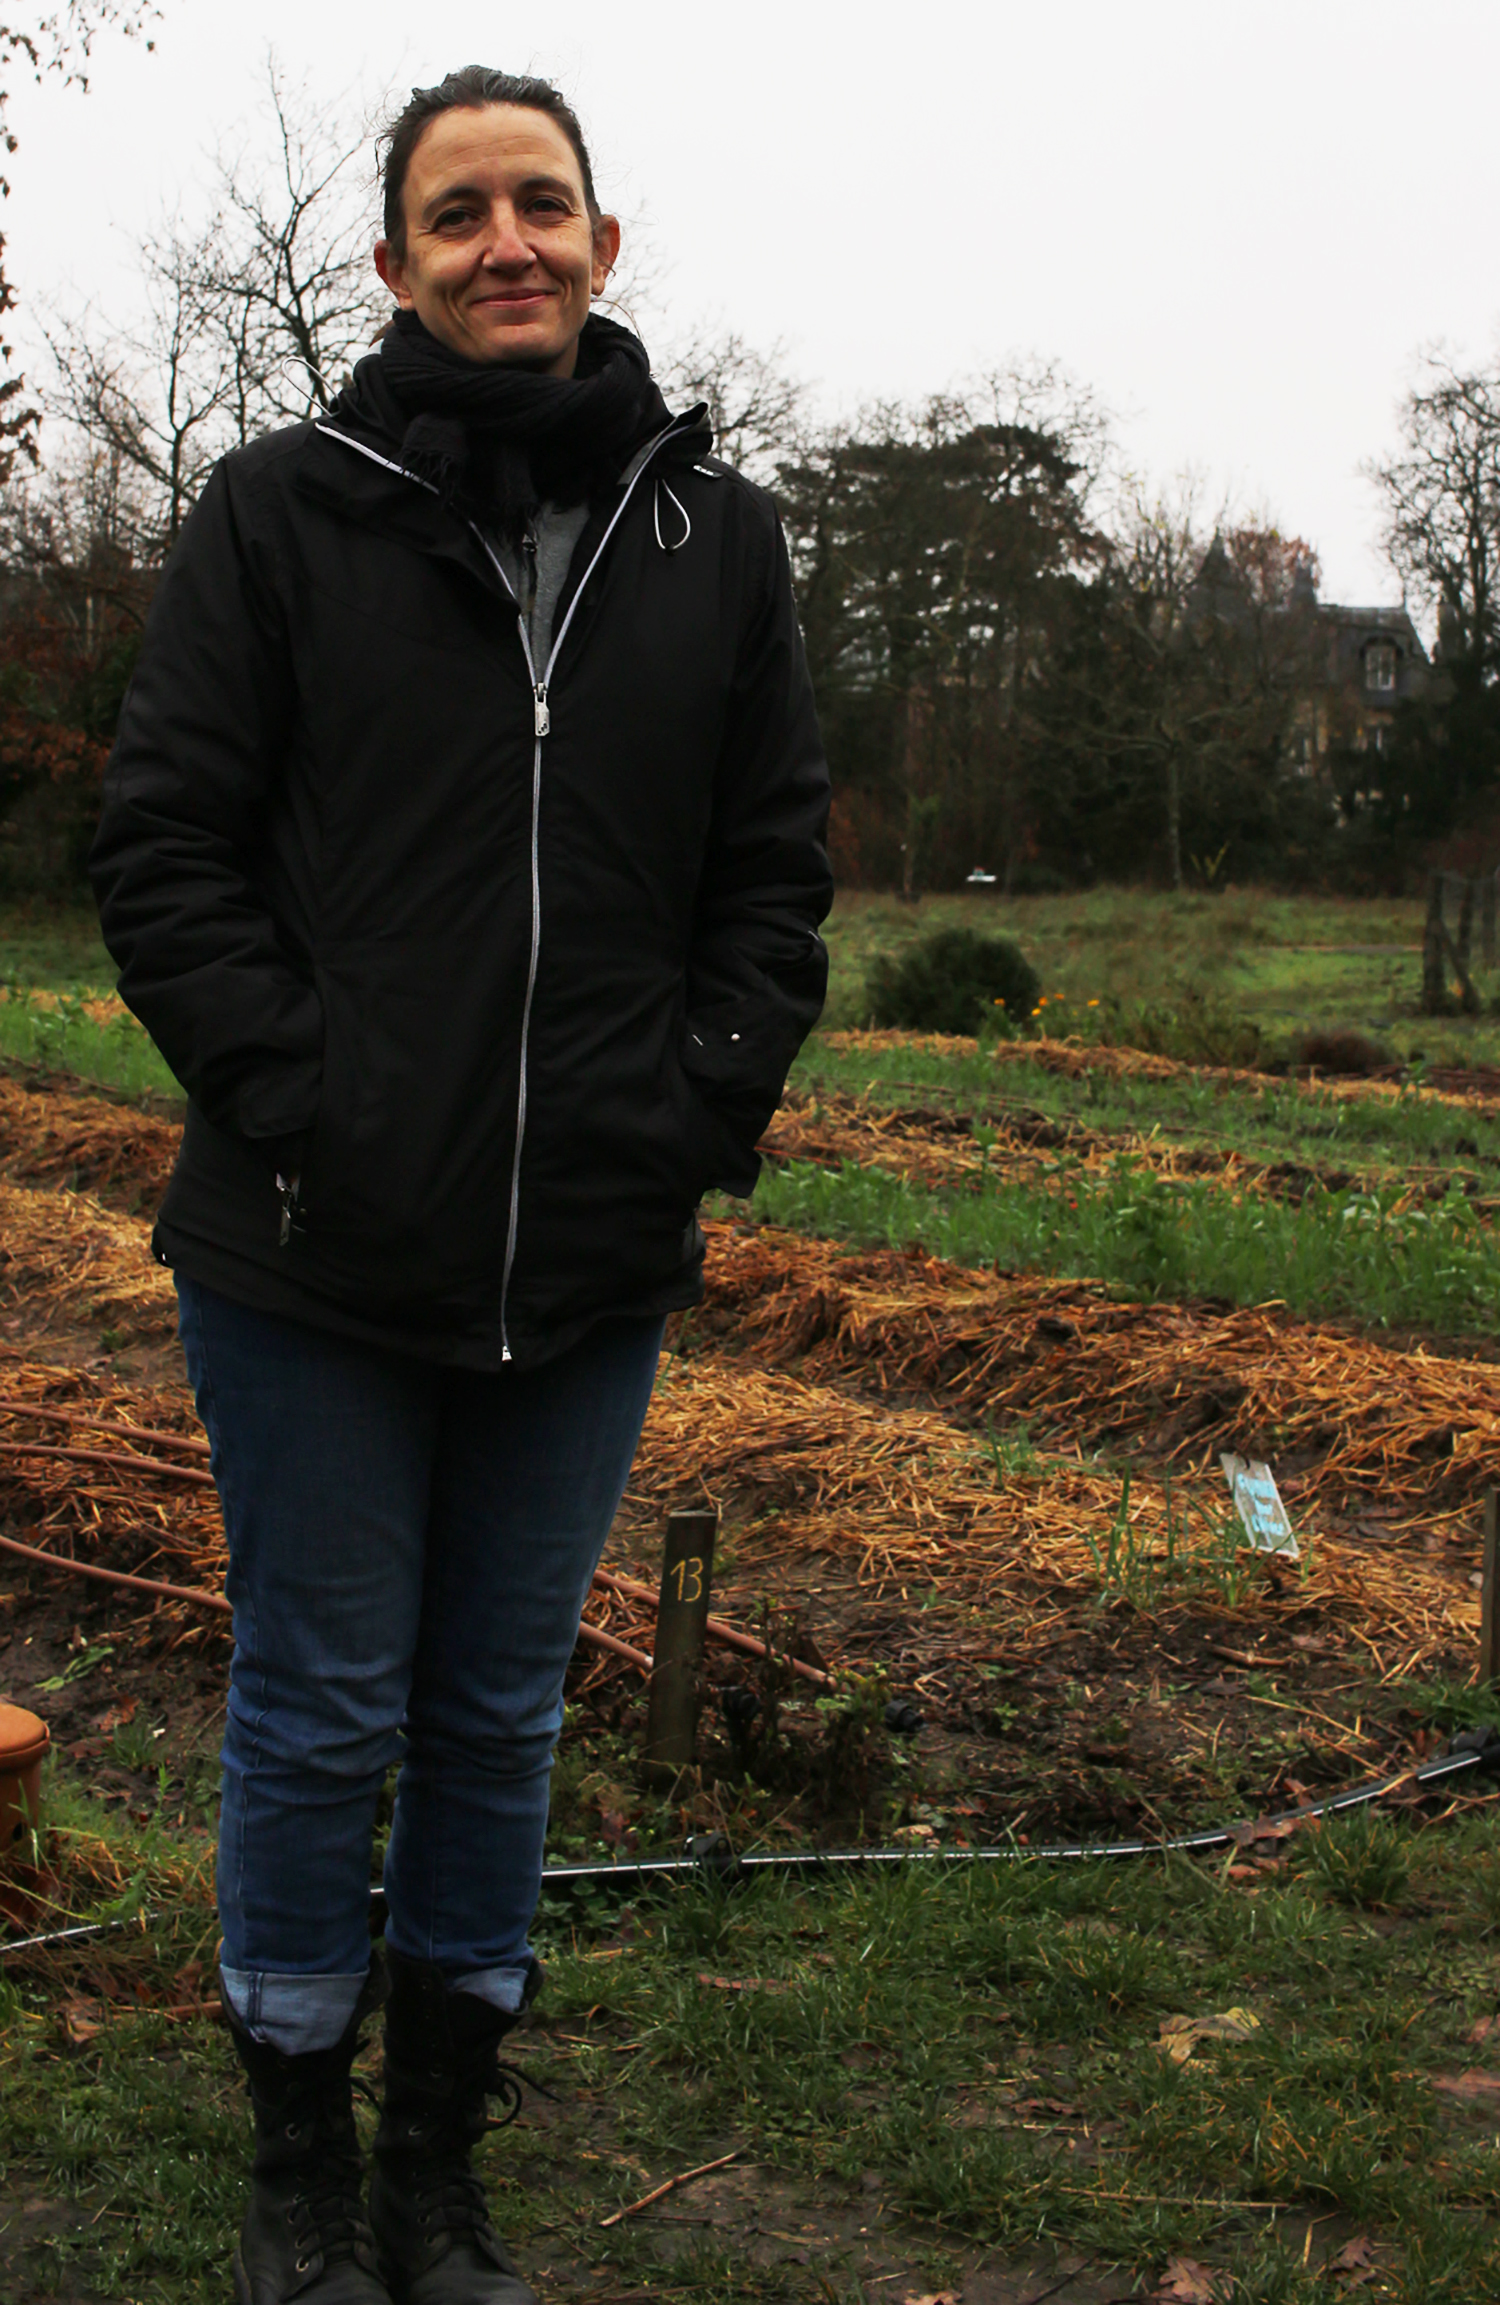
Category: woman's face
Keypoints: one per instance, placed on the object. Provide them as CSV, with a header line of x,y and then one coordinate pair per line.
x,y
502,258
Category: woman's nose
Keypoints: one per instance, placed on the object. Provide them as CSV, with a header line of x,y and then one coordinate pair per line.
x,y
507,245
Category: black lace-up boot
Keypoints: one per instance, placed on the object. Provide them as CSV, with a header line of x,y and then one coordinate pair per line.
x,y
427,2206
305,2234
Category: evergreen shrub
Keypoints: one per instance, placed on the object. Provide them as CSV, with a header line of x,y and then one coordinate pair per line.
x,y
954,980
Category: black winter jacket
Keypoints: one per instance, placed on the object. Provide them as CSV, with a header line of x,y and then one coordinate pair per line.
x,y
510,960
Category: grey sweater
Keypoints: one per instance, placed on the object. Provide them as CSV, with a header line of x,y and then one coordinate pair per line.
x,y
537,570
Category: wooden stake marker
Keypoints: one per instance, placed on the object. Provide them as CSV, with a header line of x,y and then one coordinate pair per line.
x,y
1489,1613
681,1629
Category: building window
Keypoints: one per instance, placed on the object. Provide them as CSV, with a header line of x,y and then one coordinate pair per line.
x,y
1380,667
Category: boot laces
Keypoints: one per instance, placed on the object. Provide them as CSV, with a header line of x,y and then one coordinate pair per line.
x,y
506,2083
328,2217
450,2196
326,2210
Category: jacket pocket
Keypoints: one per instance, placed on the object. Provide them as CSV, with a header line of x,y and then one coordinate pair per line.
x,y
407,1179
714,1156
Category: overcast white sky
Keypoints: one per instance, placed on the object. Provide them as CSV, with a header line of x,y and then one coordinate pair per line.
x,y
1237,222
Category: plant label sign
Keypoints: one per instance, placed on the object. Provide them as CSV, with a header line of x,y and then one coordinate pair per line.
x,y
1257,1500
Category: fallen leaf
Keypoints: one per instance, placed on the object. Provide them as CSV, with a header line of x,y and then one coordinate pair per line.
x,y
936,2297
1261,1829
117,1715
1357,2259
1481,2030
1471,2088
1186,2282
1178,2037
82,2019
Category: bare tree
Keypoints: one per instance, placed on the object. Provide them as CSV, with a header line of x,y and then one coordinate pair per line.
x,y
757,408
1208,633
59,43
162,400
1442,500
246,321
291,263
757,405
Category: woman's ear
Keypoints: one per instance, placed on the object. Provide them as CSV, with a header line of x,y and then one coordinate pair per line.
x,y
393,272
606,252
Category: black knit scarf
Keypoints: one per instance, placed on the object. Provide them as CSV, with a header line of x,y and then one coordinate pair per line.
x,y
499,440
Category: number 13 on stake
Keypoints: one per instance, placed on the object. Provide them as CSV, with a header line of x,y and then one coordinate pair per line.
x,y
689,1575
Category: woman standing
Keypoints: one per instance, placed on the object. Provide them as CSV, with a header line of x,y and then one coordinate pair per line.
x,y
461,853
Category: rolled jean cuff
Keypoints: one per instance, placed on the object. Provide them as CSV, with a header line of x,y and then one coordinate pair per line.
x,y
292,2014
502,1988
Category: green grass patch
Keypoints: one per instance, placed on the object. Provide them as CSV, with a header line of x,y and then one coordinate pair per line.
x,y
977,2048
1267,1120
1286,964
56,1031
55,945
1435,1265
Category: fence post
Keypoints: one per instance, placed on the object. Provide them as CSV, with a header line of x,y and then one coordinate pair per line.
x,y
1434,936
1489,1615
681,1630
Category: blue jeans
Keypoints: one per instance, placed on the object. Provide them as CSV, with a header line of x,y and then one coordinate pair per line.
x,y
410,1547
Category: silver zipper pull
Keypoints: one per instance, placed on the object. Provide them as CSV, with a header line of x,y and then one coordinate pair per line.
x,y
543,715
291,1214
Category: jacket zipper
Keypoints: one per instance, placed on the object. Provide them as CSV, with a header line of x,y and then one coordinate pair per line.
x,y
542,722
542,719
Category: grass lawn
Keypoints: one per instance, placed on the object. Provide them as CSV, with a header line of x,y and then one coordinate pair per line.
x,y
58,946
1290,964
920,2070
1266,1118
1387,1263
57,1004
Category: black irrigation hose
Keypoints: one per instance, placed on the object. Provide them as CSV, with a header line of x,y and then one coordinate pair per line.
x,y
710,1852
710,1855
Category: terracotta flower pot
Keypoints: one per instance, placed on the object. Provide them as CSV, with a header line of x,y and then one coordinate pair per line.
x,y
23,1742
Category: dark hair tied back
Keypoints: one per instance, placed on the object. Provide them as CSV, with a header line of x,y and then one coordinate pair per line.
x,y
469,90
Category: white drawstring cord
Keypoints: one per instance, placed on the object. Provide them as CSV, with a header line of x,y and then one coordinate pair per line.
x,y
295,360
687,526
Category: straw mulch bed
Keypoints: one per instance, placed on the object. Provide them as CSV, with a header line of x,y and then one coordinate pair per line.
x,y
54,1136
911,1504
892,1503
1075,1058
1407,1430
119,1496
68,1258
940,1149
833,1415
